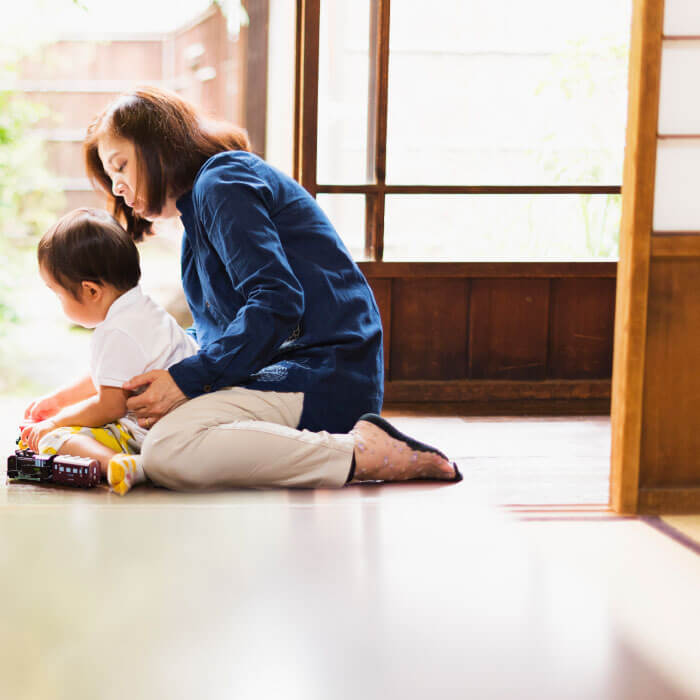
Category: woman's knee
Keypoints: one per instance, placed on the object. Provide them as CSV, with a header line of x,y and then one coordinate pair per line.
x,y
169,457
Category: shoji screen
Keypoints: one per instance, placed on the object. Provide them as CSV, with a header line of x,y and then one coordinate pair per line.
x,y
677,200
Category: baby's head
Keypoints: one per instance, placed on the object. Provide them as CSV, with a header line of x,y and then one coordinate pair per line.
x,y
88,260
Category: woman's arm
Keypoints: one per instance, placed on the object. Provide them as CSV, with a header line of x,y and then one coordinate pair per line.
x,y
49,404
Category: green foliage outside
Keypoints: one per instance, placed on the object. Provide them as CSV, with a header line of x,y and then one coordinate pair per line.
x,y
574,74
30,199
29,195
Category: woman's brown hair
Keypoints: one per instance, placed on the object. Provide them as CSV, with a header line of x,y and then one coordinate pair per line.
x,y
172,140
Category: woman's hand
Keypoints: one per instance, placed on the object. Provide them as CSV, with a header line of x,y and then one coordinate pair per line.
x,y
42,408
159,395
33,433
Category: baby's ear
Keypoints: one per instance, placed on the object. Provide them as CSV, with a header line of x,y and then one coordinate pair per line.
x,y
91,290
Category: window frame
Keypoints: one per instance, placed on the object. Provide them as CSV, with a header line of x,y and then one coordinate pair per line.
x,y
376,189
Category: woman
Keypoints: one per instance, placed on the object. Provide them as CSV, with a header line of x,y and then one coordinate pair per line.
x,y
290,335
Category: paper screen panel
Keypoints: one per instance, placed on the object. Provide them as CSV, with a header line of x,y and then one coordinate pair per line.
x,y
677,192
682,18
679,105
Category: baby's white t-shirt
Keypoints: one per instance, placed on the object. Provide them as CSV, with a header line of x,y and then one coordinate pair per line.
x,y
136,336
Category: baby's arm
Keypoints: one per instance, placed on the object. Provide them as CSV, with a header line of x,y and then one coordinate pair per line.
x,y
105,406
49,404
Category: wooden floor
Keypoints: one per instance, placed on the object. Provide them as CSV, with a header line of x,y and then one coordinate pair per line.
x,y
524,460
379,591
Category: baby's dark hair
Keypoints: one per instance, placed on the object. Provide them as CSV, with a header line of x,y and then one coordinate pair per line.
x,y
89,245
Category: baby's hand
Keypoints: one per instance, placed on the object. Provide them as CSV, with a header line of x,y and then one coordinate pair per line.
x,y
42,408
31,434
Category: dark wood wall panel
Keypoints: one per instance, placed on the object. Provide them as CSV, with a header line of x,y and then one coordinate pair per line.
x,y
582,313
382,294
429,328
497,337
670,443
508,329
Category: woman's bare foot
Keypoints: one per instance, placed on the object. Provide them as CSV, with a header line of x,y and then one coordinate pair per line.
x,y
383,453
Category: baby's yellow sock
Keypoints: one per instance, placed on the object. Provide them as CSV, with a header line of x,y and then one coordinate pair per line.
x,y
124,472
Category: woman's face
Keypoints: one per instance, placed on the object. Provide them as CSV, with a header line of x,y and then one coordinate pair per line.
x,y
118,158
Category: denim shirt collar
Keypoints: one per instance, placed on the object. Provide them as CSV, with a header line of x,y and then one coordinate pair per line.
x,y
185,206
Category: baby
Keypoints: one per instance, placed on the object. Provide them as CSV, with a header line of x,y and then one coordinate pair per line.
x,y
92,265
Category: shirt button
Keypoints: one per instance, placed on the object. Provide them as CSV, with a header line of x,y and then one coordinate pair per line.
x,y
207,387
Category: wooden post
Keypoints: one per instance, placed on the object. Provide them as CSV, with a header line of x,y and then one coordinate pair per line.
x,y
635,244
306,93
377,127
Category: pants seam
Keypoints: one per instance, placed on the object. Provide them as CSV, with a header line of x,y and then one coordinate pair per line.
x,y
261,427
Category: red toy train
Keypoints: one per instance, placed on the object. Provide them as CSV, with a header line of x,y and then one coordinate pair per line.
x,y
66,470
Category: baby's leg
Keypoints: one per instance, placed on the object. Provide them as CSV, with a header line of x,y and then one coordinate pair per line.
x,y
86,446
106,445
122,471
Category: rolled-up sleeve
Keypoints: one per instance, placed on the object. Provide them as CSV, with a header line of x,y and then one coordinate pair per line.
x,y
232,208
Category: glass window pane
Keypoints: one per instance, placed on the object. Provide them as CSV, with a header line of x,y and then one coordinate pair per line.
x,y
279,131
507,92
343,90
347,214
501,227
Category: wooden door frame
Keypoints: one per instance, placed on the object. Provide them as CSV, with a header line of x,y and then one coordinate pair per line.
x,y
635,245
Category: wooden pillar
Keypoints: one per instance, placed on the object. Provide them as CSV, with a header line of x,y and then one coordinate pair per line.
x,y
656,375
306,93
377,127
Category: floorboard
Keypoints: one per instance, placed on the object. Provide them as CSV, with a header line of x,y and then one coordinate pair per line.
x,y
414,591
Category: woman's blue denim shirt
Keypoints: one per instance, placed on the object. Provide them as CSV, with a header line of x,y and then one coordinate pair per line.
x,y
277,301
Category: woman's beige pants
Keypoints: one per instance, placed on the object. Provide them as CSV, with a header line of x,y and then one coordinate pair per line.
x,y
238,437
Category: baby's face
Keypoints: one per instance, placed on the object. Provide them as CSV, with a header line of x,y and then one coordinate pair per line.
x,y
83,310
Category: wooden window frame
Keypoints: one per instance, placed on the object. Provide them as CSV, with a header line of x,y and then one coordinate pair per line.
x,y
376,189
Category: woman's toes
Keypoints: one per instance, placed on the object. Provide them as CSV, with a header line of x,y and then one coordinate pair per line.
x,y
378,456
